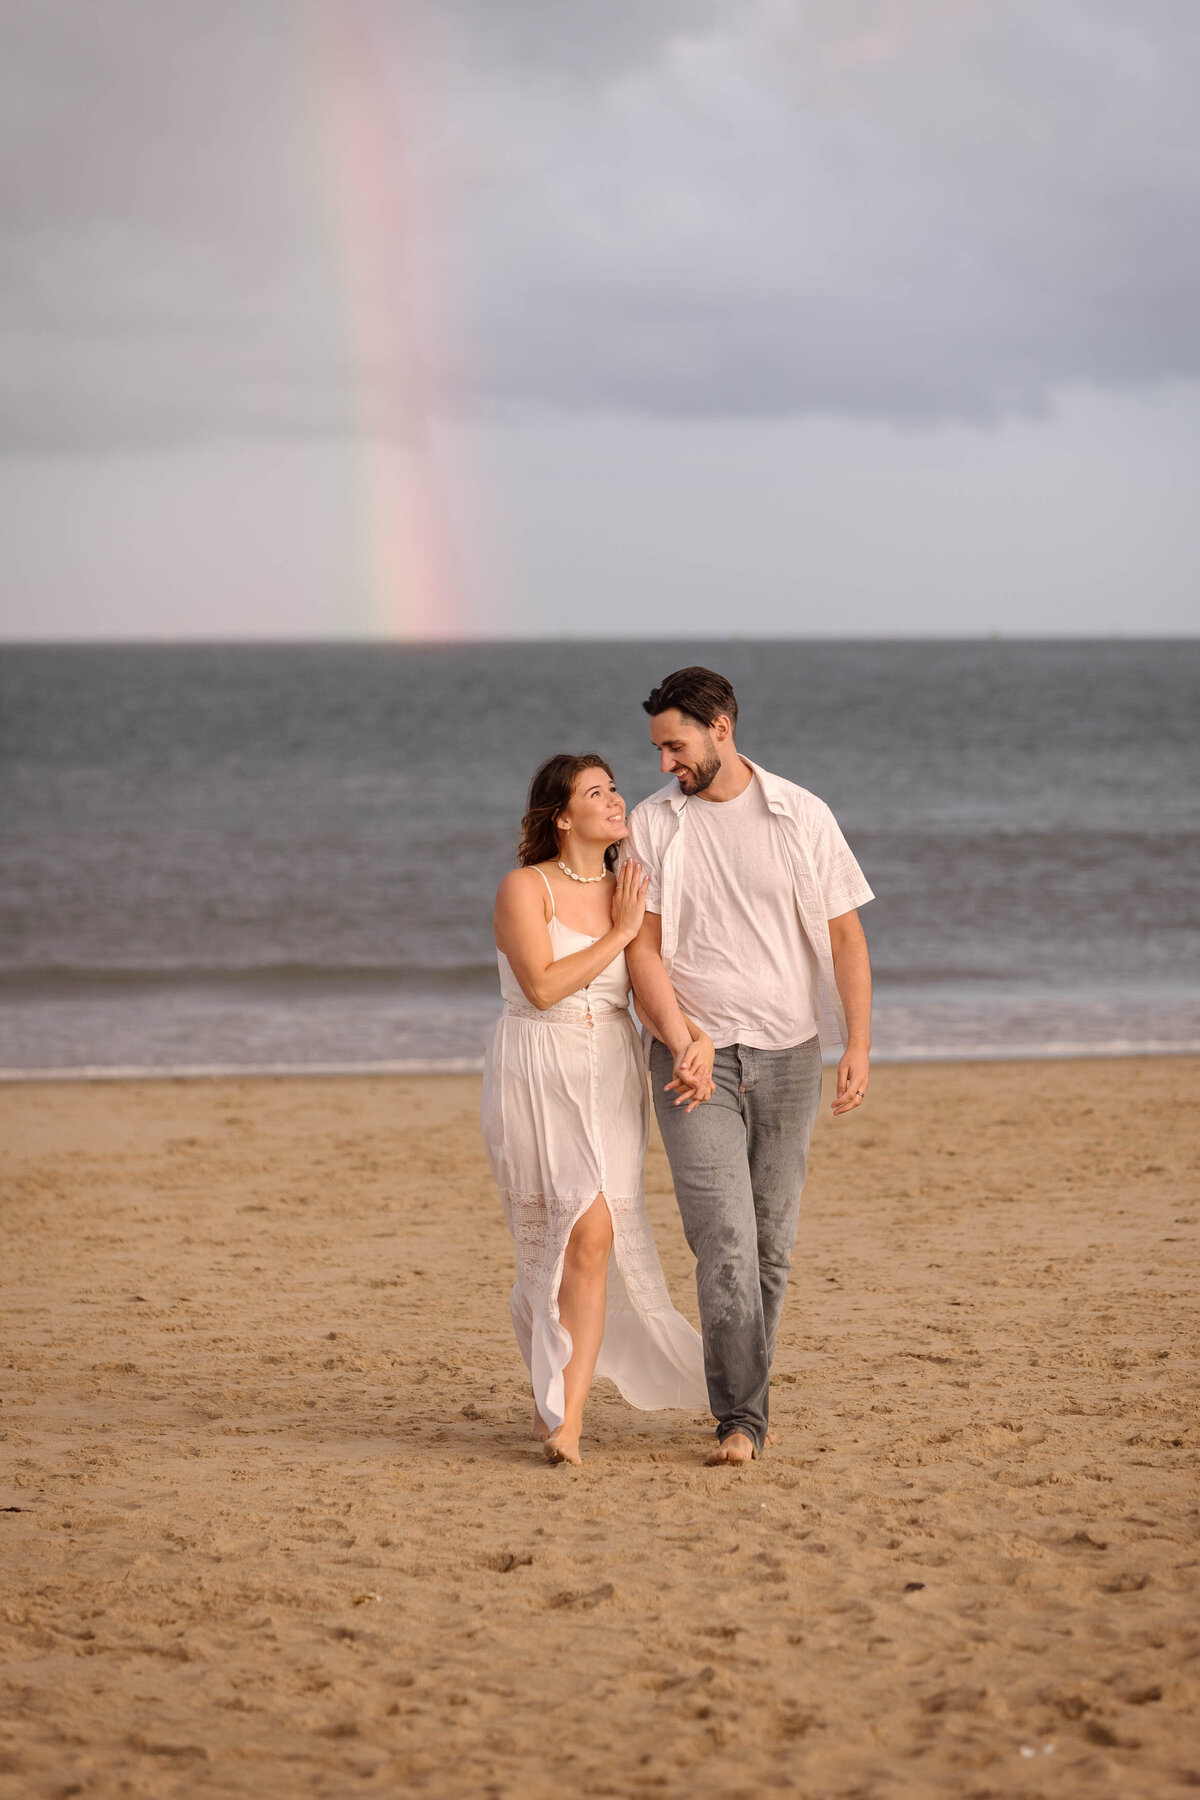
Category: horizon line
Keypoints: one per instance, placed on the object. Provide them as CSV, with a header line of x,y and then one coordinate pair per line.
x,y
364,639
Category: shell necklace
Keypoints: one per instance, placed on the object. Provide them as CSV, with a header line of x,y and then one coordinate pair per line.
x,y
584,878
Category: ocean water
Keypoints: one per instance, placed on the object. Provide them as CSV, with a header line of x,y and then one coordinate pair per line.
x,y
271,856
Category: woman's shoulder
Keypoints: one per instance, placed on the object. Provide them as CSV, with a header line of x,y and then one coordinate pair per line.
x,y
526,883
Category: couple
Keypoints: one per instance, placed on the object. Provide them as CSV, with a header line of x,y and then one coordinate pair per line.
x,y
728,900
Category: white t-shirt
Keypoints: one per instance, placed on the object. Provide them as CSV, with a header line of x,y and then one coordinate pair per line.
x,y
826,879
744,968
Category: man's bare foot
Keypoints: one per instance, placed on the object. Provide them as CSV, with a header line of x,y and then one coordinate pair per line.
x,y
562,1446
541,1431
736,1448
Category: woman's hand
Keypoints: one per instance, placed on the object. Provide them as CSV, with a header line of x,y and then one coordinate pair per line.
x,y
629,901
692,1078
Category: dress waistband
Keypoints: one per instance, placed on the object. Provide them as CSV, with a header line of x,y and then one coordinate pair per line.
x,y
598,1014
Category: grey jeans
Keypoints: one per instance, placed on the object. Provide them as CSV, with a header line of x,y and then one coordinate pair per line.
x,y
738,1165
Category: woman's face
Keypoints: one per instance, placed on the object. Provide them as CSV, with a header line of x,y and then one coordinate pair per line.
x,y
596,812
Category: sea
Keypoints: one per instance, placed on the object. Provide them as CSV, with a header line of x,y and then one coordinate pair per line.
x,y
272,857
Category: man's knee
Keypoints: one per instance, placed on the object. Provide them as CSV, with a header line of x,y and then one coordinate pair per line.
x,y
777,1240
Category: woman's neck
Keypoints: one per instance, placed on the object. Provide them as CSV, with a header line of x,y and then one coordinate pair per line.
x,y
586,861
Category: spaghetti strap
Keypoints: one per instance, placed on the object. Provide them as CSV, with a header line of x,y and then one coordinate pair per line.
x,y
550,891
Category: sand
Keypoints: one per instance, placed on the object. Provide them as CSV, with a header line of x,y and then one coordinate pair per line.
x,y
272,1525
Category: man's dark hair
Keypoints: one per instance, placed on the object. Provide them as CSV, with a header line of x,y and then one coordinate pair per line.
x,y
700,693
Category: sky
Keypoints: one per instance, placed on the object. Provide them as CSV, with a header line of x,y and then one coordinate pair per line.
x,y
709,318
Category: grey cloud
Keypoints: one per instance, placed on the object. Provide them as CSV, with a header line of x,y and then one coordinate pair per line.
x,y
579,44
914,211
903,209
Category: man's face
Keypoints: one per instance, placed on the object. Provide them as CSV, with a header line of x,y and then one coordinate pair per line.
x,y
687,750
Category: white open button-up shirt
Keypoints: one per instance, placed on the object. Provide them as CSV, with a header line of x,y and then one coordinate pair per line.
x,y
827,880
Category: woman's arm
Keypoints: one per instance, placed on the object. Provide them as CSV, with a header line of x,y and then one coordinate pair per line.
x,y
520,926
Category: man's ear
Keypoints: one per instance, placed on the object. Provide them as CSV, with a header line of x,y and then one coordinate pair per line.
x,y
721,727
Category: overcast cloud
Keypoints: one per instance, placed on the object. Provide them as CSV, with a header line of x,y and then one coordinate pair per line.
x,y
555,237
912,209
895,209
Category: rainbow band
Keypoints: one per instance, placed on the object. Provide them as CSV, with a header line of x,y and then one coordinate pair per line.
x,y
409,580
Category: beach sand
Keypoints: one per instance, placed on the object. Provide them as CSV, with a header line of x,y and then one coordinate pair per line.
x,y
273,1526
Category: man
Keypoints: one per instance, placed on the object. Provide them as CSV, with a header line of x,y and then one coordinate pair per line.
x,y
751,916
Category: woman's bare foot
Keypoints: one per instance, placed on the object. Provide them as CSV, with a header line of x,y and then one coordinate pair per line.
x,y
562,1446
541,1431
736,1448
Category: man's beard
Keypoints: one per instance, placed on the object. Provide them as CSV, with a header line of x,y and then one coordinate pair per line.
x,y
704,773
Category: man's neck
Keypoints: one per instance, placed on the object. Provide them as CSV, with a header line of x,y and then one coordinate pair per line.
x,y
734,779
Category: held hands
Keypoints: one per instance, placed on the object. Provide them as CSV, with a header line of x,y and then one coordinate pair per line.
x,y
691,1079
853,1076
629,901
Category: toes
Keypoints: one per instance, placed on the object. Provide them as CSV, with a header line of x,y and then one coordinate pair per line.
x,y
561,1453
735,1449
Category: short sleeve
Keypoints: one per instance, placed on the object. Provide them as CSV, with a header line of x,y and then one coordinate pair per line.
x,y
638,845
843,884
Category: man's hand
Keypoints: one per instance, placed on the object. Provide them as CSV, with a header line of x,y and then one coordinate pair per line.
x,y
853,1079
691,1077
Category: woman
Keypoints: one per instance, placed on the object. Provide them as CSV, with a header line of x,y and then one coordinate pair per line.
x,y
565,1114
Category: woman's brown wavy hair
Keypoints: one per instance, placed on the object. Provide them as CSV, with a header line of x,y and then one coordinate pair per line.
x,y
549,792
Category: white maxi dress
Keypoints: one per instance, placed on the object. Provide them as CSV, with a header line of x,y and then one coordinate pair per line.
x,y
565,1117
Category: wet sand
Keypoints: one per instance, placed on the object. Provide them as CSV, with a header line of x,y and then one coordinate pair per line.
x,y
273,1527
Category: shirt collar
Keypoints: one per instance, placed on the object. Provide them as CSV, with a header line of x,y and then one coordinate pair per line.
x,y
772,788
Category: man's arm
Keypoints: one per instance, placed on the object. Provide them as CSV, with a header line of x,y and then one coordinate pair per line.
x,y
852,972
657,1006
652,991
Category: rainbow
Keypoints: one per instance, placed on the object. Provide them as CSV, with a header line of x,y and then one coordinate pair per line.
x,y
407,584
